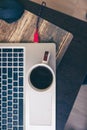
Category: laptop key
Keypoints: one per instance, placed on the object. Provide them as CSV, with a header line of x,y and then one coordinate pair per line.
x,y
9,108
4,110
15,128
15,111
9,120
4,116
4,121
9,125
20,128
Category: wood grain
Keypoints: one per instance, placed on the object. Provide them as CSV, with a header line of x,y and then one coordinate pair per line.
x,y
23,31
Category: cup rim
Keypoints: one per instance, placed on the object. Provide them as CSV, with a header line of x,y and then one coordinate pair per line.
x,y
38,65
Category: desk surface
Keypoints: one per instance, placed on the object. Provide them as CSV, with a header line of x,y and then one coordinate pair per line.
x,y
73,67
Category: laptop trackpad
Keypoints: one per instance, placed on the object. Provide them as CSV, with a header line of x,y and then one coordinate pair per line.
x,y
40,109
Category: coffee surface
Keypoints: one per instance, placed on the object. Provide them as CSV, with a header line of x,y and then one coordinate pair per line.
x,y
41,77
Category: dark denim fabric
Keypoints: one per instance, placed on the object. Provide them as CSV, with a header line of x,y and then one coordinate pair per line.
x,y
10,10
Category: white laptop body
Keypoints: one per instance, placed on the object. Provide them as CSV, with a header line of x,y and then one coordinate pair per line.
x,y
30,108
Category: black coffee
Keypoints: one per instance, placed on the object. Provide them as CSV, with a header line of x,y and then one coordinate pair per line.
x,y
41,77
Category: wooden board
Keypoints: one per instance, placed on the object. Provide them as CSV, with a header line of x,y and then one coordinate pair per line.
x,y
23,31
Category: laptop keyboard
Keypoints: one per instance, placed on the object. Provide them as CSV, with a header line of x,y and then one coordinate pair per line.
x,y
11,88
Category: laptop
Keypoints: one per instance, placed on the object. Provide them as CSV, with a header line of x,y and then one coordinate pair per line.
x,y
25,103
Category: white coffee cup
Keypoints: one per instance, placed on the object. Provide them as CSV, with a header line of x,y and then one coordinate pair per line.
x,y
41,75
